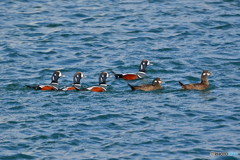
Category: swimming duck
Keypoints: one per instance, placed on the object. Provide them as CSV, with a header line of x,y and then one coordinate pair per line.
x,y
156,84
132,76
198,86
52,86
102,84
76,82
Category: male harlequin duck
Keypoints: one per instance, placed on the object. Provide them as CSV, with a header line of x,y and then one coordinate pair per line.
x,y
102,84
52,86
199,86
76,82
156,84
131,76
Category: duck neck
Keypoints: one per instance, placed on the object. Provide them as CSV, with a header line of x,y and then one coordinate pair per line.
x,y
204,80
54,80
142,67
76,80
102,80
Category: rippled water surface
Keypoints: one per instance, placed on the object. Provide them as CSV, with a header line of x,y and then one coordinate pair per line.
x,y
181,38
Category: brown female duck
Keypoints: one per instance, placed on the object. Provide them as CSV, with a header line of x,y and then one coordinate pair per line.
x,y
198,86
156,84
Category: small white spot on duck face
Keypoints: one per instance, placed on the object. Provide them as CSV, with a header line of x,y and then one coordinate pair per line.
x,y
204,74
159,81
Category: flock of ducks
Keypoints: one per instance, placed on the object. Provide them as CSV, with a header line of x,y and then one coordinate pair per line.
x,y
156,83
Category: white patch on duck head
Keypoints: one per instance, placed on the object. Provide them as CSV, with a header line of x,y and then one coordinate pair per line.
x,y
60,74
148,63
82,76
107,75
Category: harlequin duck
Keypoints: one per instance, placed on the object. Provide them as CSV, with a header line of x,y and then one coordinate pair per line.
x,y
156,84
52,86
131,76
199,86
102,84
76,82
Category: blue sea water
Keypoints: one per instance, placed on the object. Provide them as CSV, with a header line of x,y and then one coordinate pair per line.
x,y
181,38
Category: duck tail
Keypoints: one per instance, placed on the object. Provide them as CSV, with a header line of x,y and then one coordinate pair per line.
x,y
180,83
28,86
131,87
113,73
34,87
117,75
